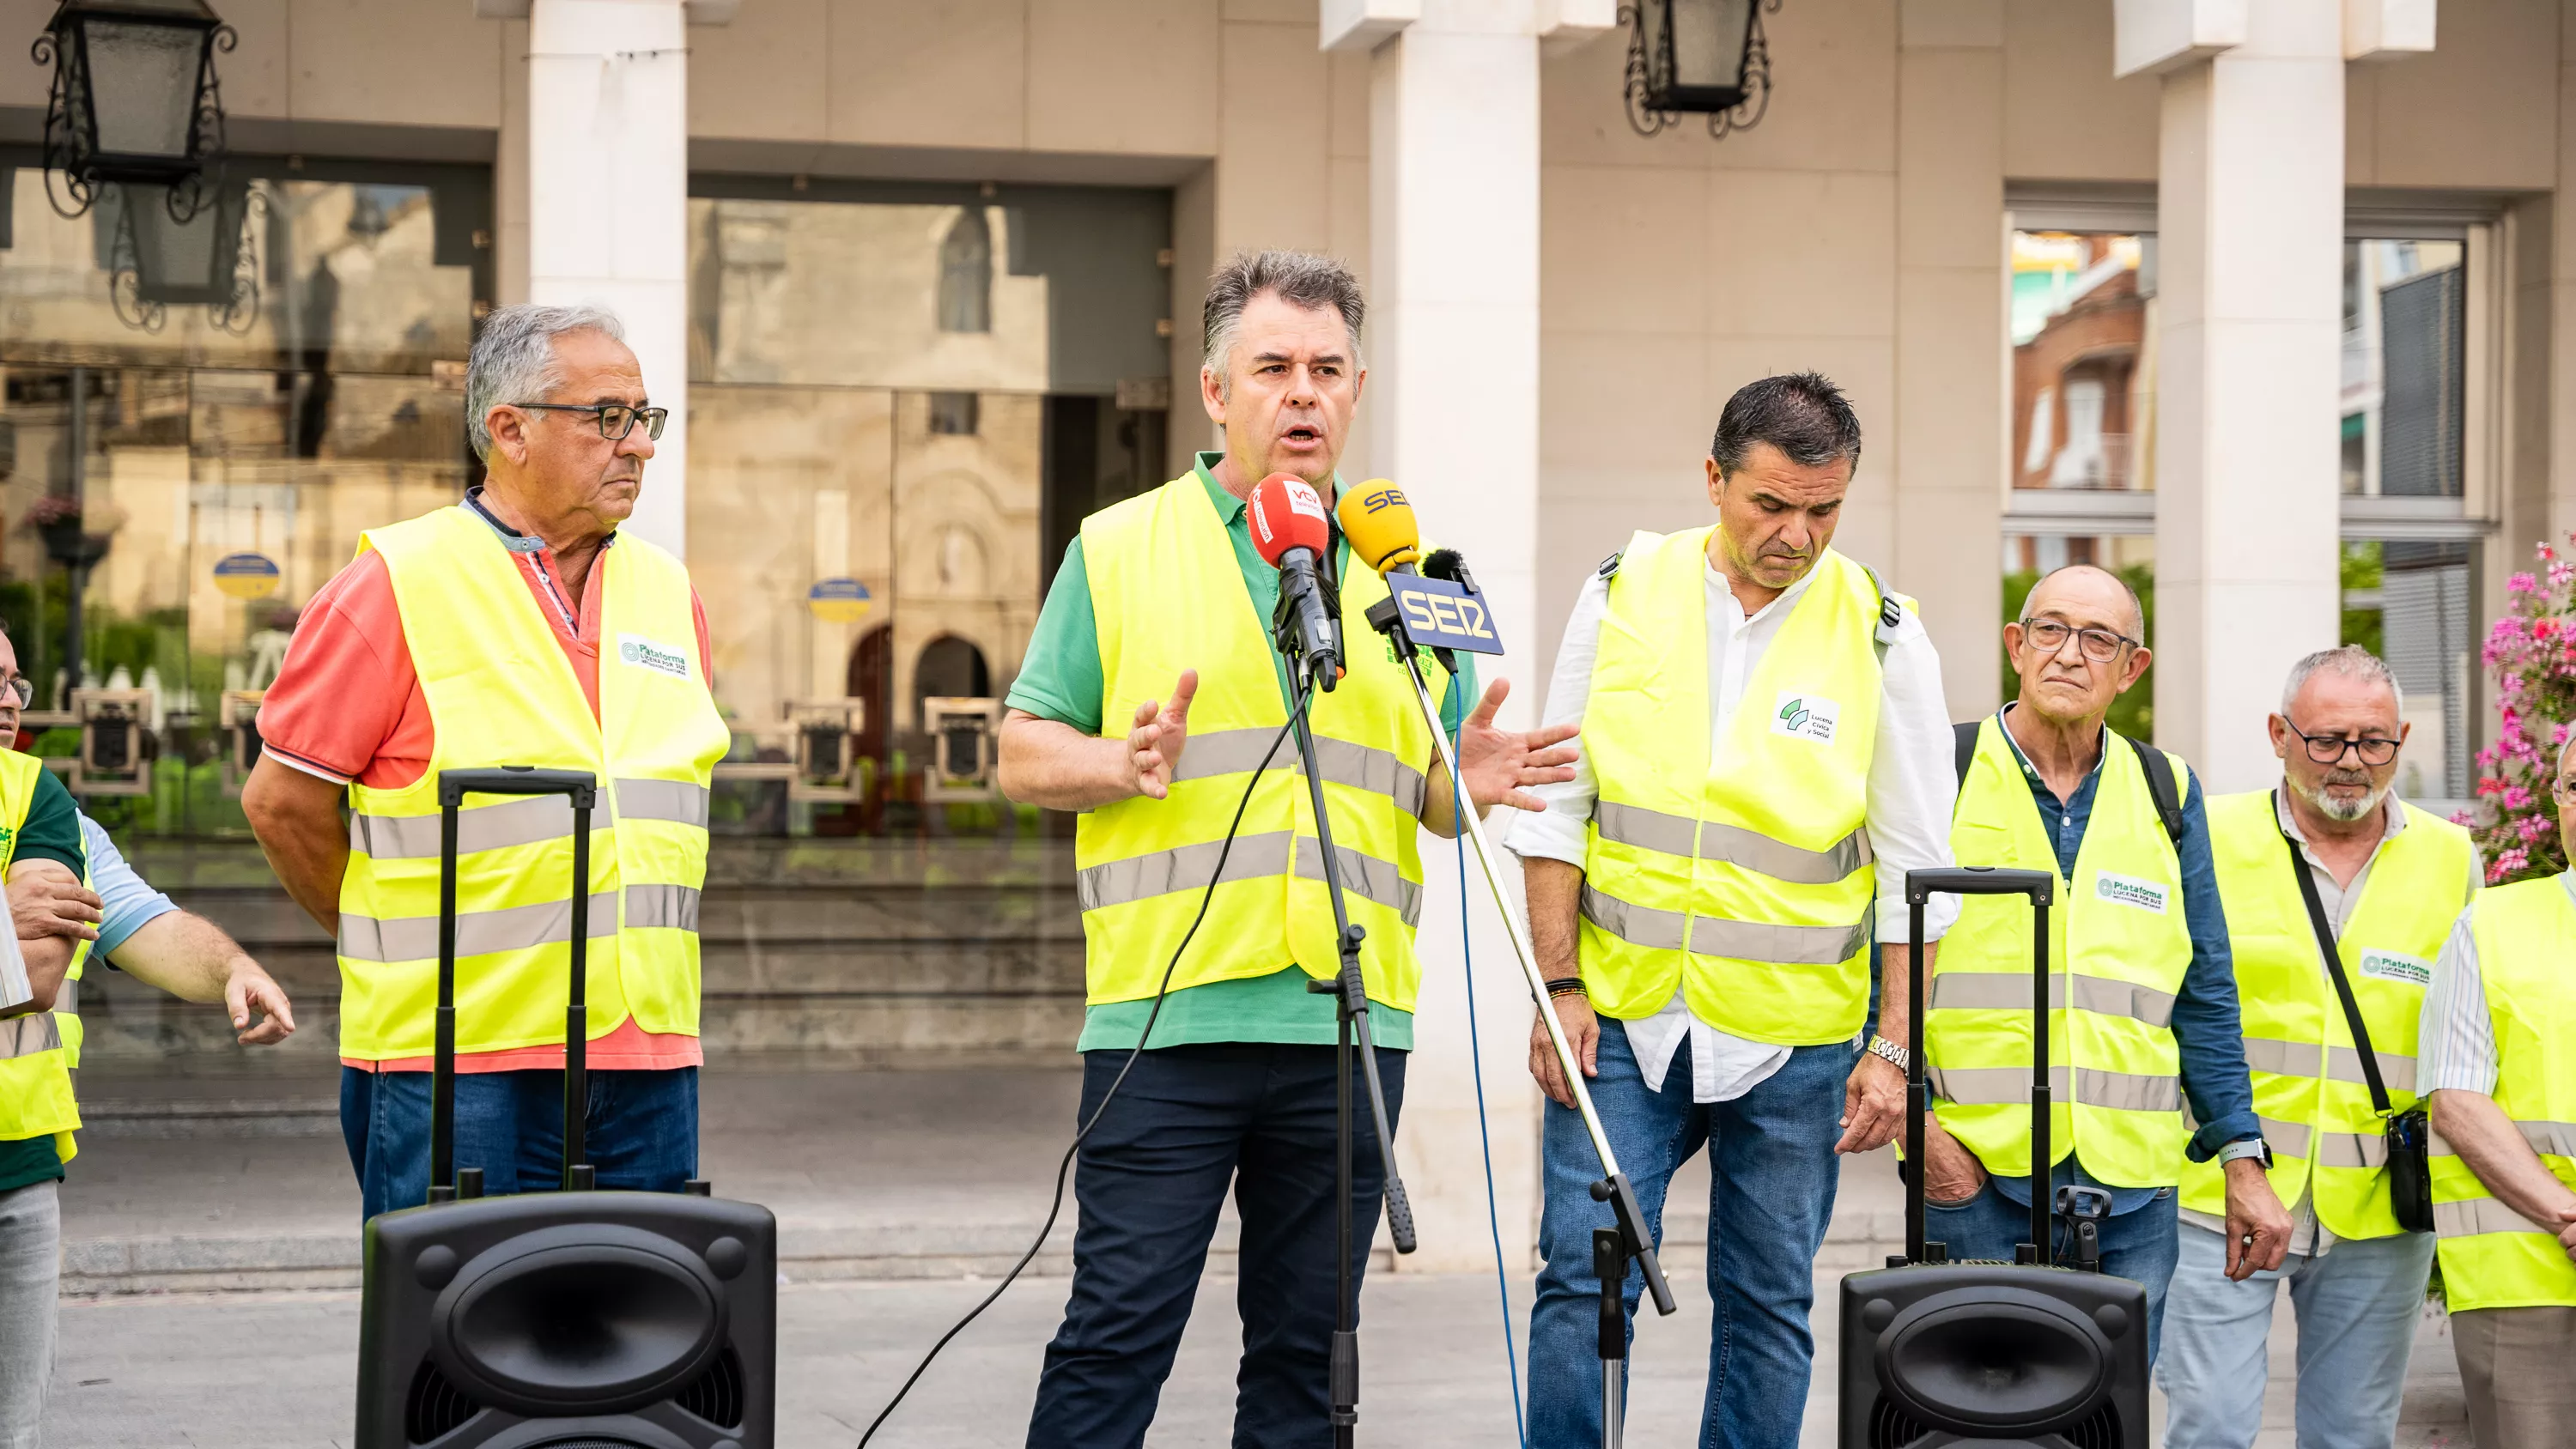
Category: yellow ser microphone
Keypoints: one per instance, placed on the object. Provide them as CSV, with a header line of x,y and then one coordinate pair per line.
x,y
1380,525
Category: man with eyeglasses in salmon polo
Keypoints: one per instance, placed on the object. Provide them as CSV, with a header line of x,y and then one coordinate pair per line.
x,y
2142,1001
515,627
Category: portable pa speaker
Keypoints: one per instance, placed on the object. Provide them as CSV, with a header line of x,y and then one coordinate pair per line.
x,y
1942,1355
576,1319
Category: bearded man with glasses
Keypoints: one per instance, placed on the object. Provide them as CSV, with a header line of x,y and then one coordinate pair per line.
x,y
472,636
2142,1001
2383,883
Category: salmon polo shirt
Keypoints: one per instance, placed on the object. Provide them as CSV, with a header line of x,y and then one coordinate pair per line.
x,y
347,706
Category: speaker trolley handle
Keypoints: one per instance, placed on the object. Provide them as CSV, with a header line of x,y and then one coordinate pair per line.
x,y
1976,880
582,788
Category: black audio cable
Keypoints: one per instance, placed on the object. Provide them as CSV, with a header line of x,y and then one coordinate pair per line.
x,y
1161,991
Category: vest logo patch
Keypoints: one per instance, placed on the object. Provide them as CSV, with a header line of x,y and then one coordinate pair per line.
x,y
1805,717
2389,966
2128,890
643,653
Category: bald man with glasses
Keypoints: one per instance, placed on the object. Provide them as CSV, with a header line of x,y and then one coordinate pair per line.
x,y
2143,1018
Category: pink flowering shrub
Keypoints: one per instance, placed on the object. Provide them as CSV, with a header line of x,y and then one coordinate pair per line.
x,y
2531,655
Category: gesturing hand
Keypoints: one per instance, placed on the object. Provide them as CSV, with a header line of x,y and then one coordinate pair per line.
x,y
1497,763
250,991
1154,745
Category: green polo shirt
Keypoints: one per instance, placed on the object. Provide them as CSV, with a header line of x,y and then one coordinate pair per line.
x,y
52,832
1061,679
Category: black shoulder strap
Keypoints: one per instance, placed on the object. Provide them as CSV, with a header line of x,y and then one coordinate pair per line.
x,y
1890,614
2162,786
1965,746
2334,967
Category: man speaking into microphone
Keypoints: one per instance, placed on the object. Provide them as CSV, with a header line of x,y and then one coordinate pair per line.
x,y
1151,694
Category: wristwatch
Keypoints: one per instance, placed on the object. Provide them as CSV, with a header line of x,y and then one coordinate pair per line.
x,y
2254,1147
1894,1055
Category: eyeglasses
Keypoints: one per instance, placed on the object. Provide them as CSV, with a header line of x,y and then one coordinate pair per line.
x,y
20,688
2099,645
2329,749
616,420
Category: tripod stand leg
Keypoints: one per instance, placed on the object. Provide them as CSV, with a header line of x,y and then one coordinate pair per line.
x,y
1610,1266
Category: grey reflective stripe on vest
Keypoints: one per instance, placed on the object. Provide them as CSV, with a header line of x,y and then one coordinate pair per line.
x,y
2349,1149
1187,868
678,801
1716,936
478,827
1366,875
2342,1064
2290,1139
2555,1139
1361,767
67,996
2010,1086
478,933
1637,925
1635,825
2010,991
25,1036
2481,1215
673,906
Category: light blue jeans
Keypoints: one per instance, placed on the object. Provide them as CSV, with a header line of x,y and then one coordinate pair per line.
x,y
2357,1308
1772,1175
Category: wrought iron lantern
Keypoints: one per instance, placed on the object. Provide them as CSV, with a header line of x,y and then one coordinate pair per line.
x,y
1697,57
134,102
207,260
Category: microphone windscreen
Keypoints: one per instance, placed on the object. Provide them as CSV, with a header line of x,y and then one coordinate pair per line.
x,y
1379,524
1444,563
1286,513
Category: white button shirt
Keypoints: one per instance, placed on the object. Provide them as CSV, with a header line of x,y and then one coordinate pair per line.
x,y
1913,785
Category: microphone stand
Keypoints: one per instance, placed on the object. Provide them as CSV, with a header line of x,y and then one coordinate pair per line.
x,y
1613,1248
1350,989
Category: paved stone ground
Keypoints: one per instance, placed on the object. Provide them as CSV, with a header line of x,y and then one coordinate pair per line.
x,y
237,1178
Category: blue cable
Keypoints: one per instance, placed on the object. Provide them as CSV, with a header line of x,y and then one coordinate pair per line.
x,y
1484,1129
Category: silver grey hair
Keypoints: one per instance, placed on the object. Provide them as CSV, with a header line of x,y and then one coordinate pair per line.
x,y
2351,661
1300,279
514,359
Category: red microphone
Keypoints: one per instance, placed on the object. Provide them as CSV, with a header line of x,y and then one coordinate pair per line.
x,y
1292,530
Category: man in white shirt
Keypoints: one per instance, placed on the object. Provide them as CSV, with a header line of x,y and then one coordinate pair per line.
x,y
1701,895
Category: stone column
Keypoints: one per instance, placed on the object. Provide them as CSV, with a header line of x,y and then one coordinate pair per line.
x,y
1452,403
2250,206
607,210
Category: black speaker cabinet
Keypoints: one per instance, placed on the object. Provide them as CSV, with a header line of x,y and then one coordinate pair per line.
x,y
570,1320
1985,1355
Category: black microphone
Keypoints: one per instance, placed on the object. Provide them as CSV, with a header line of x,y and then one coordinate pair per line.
x,y
1291,530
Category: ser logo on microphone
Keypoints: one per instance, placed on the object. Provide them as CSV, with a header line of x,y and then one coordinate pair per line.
x,y
1379,499
1442,615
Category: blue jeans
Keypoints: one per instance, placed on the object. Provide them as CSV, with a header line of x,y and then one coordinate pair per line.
x,y
641,1131
1150,1180
2357,1307
2138,1245
1772,1174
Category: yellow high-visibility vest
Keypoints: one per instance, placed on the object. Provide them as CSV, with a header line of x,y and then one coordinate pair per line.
x,y
2325,1135
2492,1256
1744,879
1168,594
35,1065
2119,945
501,692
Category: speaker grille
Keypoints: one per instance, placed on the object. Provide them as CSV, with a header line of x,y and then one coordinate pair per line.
x,y
1892,1428
717,1395
434,1407
590,1441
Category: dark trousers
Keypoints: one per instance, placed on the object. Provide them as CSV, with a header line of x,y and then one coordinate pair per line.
x,y
640,1132
1149,1182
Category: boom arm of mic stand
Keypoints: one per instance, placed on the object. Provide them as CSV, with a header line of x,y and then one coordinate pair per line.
x,y
1622,1198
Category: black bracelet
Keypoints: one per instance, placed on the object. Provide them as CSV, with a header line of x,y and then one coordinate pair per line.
x,y
1567,986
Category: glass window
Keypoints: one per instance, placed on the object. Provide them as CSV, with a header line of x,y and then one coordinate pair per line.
x,y
2412,603
203,471
2083,377
927,379
2404,367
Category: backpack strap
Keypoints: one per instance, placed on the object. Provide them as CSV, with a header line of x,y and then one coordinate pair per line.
x,y
1965,748
1890,614
2162,786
